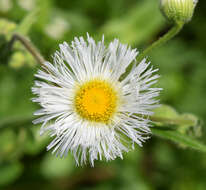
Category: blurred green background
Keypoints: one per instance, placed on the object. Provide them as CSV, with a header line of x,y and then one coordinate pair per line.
x,y
24,162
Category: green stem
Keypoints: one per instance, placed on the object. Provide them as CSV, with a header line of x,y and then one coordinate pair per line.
x,y
169,35
162,40
29,46
168,121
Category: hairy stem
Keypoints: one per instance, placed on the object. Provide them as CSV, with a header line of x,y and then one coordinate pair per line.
x,y
168,121
29,46
162,40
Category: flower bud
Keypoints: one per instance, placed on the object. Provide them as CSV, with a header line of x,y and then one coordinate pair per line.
x,y
178,10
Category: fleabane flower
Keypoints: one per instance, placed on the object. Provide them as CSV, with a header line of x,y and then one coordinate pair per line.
x,y
88,107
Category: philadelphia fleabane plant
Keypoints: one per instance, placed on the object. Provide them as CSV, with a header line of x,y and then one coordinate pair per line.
x,y
97,101
87,108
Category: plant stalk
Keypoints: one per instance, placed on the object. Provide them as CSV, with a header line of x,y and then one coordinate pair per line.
x,y
162,40
29,46
168,121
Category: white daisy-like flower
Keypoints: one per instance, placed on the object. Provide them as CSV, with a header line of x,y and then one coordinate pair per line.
x,y
87,108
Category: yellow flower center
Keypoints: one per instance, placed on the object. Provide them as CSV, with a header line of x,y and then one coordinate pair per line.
x,y
96,100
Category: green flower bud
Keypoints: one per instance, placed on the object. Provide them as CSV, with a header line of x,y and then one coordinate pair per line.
x,y
178,10
17,60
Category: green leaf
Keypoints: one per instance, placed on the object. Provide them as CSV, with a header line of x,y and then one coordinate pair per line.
x,y
167,116
179,138
165,111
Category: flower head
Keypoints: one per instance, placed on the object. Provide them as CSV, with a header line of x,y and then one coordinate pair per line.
x,y
178,10
86,108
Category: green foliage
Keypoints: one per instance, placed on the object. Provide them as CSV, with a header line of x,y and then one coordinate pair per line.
x,y
129,27
166,115
55,167
9,172
180,138
176,127
160,164
26,24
